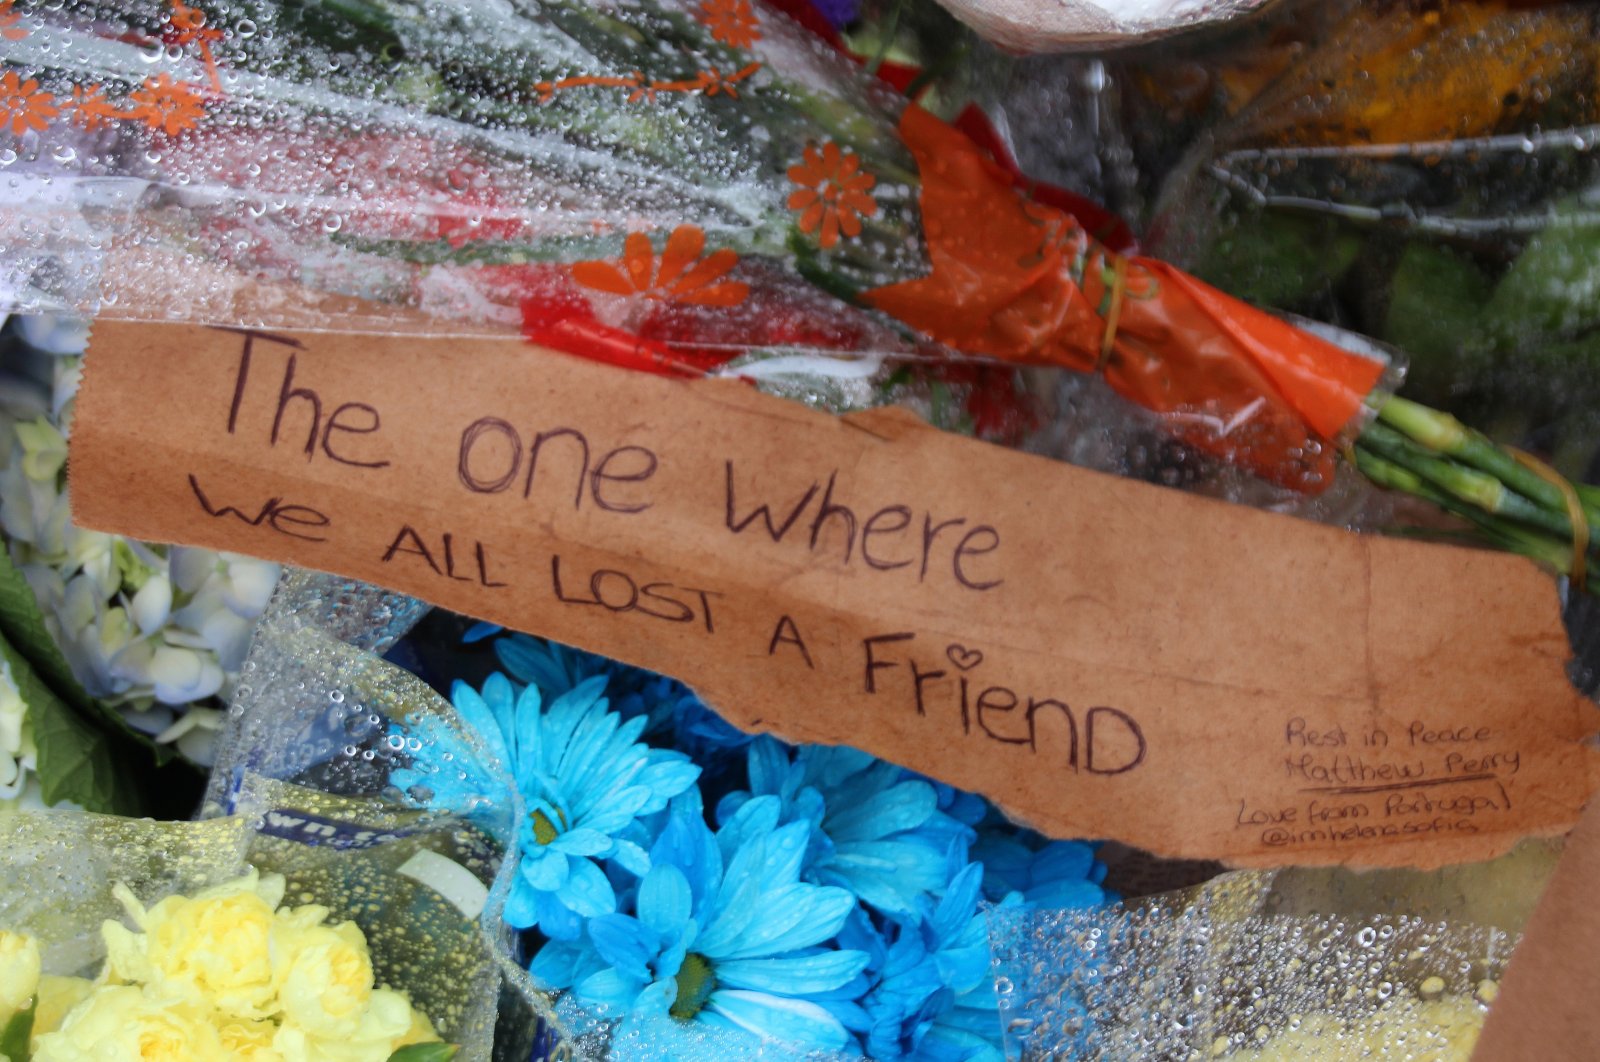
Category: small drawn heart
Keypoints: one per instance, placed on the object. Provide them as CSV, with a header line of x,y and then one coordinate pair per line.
x,y
964,658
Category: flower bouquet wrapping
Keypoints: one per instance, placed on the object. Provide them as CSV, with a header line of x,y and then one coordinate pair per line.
x,y
315,920
1422,176
670,187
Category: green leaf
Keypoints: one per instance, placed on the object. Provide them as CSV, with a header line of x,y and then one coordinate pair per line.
x,y
1279,260
434,1052
15,1037
1435,314
76,760
1552,289
22,623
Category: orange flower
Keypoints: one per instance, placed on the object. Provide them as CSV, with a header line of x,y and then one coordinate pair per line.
x,y
90,108
682,277
832,194
23,106
168,105
8,21
733,22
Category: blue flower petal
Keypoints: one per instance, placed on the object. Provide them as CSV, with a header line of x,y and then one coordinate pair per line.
x,y
586,891
957,905
903,807
632,858
664,901
776,1018
556,920
561,964
581,841
472,709
793,917
479,631
522,906
963,969
611,989
544,868
798,976
768,764
754,819
618,808
626,943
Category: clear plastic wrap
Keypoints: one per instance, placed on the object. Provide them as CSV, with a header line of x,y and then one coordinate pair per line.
x,y
317,726
672,187
1229,971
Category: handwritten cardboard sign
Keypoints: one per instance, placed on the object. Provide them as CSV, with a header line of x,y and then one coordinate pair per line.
x,y
1545,1009
1103,658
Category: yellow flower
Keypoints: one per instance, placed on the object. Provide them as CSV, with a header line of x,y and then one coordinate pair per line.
x,y
19,972
212,950
421,1031
248,1041
325,978
57,996
119,1023
388,1023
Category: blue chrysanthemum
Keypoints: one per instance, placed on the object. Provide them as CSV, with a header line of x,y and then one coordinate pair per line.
x,y
1037,871
877,829
724,934
670,706
931,997
584,778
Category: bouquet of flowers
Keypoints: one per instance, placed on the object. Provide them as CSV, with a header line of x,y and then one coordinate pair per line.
x,y
677,876
144,638
230,972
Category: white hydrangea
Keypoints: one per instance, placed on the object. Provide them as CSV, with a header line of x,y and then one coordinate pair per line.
x,y
17,751
158,631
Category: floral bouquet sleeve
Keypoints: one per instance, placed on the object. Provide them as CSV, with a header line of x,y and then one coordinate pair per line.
x,y
681,187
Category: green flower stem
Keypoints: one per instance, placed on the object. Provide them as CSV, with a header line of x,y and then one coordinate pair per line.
x,y
1444,434
1507,535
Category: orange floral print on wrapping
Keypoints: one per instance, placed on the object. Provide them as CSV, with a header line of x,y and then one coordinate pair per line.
x,y
90,109
168,105
22,106
733,22
8,21
189,27
832,194
683,275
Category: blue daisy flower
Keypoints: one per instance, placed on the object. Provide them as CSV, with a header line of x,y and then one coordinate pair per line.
x,y
670,706
723,934
931,997
877,829
584,777
1038,871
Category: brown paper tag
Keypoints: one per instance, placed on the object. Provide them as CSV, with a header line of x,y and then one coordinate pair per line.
x,y
1545,1006
1103,658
